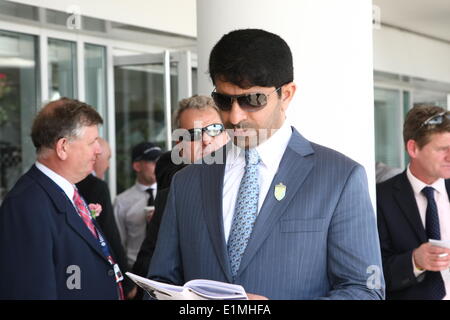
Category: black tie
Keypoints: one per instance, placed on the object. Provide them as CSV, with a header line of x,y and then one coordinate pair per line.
x,y
431,219
151,200
433,232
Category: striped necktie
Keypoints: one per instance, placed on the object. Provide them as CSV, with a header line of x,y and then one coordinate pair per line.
x,y
84,213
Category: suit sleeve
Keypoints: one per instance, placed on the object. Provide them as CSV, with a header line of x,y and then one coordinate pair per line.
x,y
354,259
398,268
166,265
26,249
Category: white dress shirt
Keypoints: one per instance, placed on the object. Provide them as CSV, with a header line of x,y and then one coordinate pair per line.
x,y
63,183
443,207
270,152
129,211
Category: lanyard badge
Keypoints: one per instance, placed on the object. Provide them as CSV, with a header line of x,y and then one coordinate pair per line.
x,y
118,273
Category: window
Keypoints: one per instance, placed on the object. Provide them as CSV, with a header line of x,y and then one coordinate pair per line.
x,y
18,105
95,79
61,69
388,127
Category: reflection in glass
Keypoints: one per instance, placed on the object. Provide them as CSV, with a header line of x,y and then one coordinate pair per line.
x,y
17,106
95,79
61,69
140,113
388,127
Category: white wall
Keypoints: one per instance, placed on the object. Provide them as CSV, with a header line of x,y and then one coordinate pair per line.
x,y
406,53
331,43
176,16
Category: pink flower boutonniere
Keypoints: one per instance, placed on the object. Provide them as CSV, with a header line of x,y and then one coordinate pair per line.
x,y
95,209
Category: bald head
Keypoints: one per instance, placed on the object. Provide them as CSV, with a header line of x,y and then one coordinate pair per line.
x,y
102,162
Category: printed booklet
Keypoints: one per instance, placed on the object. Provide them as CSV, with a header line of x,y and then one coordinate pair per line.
x,y
198,289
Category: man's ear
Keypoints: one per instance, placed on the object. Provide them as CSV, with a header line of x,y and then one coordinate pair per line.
x,y
61,148
287,93
412,148
137,166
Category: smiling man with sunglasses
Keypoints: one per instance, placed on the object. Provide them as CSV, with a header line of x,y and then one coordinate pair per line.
x,y
414,207
281,216
201,129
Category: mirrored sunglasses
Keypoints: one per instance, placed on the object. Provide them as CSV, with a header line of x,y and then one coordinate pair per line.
x,y
212,130
248,102
436,119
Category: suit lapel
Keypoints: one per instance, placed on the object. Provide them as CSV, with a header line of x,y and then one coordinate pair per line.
x,y
297,158
77,224
212,189
64,205
404,196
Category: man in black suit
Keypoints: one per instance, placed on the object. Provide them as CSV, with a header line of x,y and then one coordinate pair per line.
x,y
95,190
414,207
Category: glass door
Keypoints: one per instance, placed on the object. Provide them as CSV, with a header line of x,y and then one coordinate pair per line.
x,y
18,105
145,89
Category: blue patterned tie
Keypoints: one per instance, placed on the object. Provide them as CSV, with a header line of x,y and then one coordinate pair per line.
x,y
245,211
433,232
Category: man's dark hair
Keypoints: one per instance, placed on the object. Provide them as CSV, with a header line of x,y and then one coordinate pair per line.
x,y
62,118
251,57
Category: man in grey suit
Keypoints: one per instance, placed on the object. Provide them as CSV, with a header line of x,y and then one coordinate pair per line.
x,y
281,216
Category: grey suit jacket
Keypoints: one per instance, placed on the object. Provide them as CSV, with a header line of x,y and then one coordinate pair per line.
x,y
319,241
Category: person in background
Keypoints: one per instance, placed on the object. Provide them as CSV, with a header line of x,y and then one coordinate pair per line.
x,y
200,117
94,190
413,207
102,163
50,246
133,207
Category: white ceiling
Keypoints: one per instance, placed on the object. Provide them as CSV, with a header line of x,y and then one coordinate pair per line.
x,y
430,17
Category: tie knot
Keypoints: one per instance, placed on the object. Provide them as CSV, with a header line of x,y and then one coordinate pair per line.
x,y
149,191
251,157
428,192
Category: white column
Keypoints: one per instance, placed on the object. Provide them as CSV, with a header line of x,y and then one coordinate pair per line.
x,y
331,43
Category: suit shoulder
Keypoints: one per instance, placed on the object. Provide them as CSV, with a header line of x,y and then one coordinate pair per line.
x,y
330,157
92,183
25,197
389,183
25,187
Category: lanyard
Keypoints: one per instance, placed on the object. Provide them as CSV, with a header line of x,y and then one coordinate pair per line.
x,y
105,249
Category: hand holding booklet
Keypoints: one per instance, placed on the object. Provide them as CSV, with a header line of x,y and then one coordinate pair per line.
x,y
198,289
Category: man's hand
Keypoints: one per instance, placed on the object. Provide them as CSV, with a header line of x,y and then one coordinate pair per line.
x,y
252,296
132,294
431,258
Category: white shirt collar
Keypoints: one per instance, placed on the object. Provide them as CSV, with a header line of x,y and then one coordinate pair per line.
x,y
418,185
142,187
63,183
270,151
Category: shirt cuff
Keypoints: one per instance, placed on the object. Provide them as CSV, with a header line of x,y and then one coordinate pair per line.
x,y
417,271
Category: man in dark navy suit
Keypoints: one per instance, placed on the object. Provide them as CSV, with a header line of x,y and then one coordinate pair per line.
x,y
50,246
414,207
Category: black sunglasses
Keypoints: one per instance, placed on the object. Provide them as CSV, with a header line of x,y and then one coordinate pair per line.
x,y
212,130
248,102
436,119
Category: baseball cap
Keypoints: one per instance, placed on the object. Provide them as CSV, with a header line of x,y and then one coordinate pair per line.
x,y
145,151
